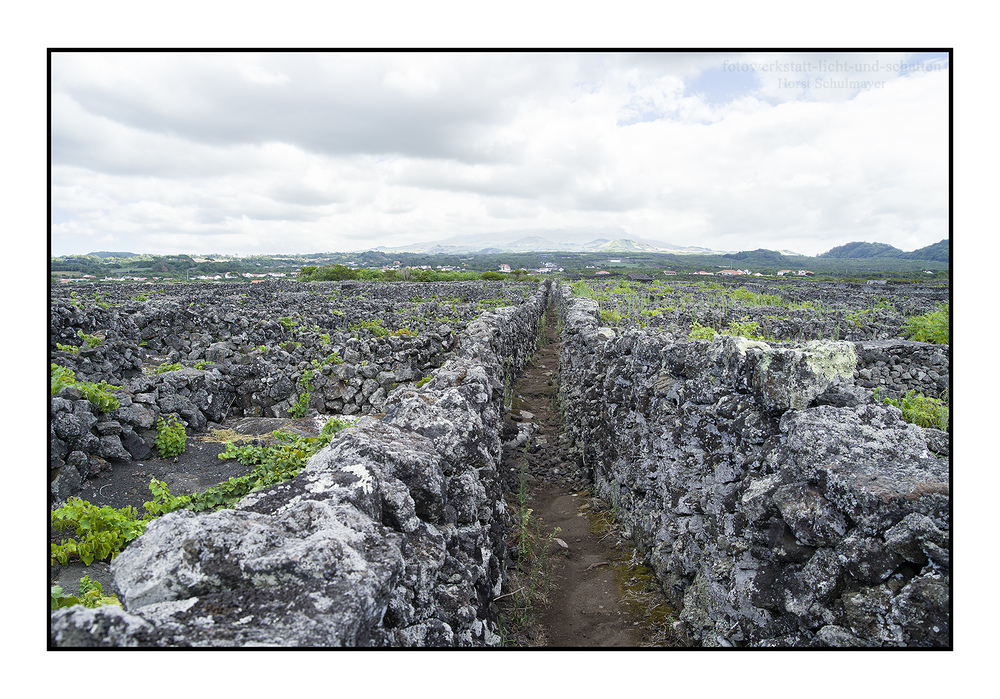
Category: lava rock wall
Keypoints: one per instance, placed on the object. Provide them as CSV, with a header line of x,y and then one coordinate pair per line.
x,y
393,535
776,501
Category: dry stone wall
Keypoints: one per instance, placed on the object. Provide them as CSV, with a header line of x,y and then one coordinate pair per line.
x,y
898,366
245,350
776,501
394,535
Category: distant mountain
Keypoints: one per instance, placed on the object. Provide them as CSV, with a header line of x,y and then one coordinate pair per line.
x,y
627,245
938,252
611,240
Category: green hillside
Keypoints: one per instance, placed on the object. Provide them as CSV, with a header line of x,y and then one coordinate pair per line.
x,y
860,251
938,252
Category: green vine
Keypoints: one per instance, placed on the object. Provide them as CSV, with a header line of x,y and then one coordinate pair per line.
x,y
91,341
91,594
302,404
701,332
101,531
171,438
96,393
104,531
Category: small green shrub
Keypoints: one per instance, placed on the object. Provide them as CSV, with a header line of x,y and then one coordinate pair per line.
x,y
424,381
69,349
171,438
744,294
164,368
61,377
857,317
931,327
332,358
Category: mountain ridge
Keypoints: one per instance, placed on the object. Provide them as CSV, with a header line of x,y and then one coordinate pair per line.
x,y
859,250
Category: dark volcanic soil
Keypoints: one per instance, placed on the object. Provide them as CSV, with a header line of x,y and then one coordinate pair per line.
x,y
197,468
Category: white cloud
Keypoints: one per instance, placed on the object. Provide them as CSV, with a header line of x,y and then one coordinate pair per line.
x,y
308,152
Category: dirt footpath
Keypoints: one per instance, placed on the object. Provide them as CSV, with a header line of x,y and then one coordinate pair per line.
x,y
596,595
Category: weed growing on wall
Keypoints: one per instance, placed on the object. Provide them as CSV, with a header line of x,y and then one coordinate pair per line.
x,y
165,367
931,327
302,404
921,410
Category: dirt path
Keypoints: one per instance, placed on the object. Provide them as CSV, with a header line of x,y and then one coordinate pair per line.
x,y
595,597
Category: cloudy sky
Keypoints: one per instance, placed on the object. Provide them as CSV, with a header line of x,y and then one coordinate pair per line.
x,y
253,153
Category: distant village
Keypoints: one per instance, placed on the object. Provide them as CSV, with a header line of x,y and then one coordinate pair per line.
x,y
546,268
720,273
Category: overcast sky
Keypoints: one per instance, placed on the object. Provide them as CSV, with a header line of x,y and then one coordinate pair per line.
x,y
253,153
